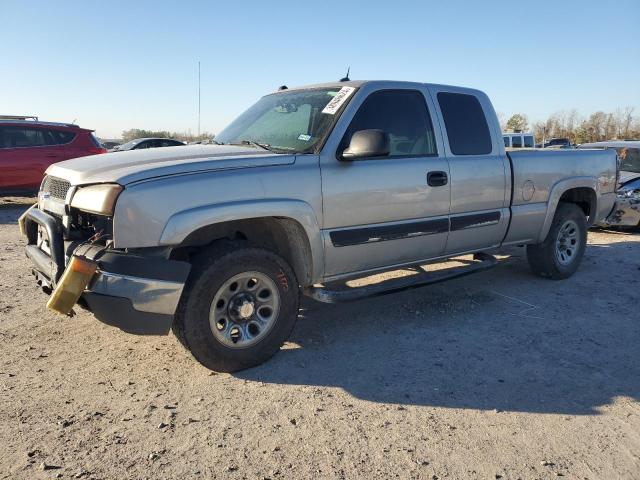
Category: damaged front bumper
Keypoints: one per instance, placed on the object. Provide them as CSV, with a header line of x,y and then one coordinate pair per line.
x,y
136,293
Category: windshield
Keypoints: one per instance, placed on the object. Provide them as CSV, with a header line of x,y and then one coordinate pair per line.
x,y
296,121
629,159
129,145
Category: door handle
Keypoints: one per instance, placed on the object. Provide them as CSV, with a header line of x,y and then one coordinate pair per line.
x,y
437,179
51,155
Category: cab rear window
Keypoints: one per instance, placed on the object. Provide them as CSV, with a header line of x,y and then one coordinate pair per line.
x,y
465,123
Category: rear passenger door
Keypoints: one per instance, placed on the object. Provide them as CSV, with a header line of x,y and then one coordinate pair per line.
x,y
480,176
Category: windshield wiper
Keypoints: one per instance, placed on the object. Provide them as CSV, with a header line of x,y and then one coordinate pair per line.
x,y
264,146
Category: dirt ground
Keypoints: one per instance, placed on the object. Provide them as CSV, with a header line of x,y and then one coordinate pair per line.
x,y
495,375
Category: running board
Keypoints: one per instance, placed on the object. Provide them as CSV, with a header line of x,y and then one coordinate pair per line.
x,y
483,261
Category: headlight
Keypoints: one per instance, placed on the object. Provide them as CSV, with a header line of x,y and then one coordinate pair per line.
x,y
100,199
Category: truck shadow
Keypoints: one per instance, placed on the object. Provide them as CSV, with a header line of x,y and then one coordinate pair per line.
x,y
501,339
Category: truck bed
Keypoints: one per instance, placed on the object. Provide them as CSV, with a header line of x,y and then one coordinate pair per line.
x,y
535,173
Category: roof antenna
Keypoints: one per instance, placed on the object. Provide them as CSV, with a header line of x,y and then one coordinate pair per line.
x,y
283,87
346,77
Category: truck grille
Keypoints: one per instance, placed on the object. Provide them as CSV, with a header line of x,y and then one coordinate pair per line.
x,y
56,187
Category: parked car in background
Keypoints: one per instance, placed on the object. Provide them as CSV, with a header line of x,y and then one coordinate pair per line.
x,y
627,209
556,143
518,140
140,143
29,147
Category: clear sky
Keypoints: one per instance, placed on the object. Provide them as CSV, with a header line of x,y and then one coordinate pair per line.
x,y
133,64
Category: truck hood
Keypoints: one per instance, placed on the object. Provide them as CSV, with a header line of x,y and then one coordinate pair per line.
x,y
136,165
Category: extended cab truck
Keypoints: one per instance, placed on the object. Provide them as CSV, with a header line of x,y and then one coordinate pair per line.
x,y
309,186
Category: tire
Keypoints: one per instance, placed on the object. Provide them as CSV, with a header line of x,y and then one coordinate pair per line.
x,y
558,257
245,327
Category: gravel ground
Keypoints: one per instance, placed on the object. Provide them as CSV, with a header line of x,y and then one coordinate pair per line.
x,y
496,375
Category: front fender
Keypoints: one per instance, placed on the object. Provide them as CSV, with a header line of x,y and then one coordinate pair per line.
x,y
556,193
181,224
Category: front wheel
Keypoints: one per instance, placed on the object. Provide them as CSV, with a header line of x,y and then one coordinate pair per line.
x,y
239,306
560,254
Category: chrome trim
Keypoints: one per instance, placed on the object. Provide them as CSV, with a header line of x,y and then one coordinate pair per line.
x,y
146,294
70,193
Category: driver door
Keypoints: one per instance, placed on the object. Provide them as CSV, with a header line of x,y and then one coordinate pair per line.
x,y
382,211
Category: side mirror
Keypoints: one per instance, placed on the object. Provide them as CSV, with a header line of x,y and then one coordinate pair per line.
x,y
367,143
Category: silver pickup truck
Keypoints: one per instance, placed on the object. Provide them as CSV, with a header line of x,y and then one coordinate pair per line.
x,y
308,188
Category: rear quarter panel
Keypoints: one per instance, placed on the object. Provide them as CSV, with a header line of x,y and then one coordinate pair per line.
x,y
541,176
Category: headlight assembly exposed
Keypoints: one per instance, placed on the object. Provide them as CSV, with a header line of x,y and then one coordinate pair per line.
x,y
99,199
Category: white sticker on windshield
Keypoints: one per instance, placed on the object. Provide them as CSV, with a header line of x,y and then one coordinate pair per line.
x,y
304,137
336,102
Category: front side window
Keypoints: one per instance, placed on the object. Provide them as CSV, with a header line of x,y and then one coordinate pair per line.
x,y
289,121
506,142
528,141
516,142
403,115
466,124
130,145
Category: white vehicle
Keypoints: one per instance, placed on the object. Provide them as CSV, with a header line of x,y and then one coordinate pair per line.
x,y
518,140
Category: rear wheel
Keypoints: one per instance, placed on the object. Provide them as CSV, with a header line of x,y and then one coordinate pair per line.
x,y
239,306
560,254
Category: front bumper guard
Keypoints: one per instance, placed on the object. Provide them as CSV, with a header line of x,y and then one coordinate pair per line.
x,y
52,265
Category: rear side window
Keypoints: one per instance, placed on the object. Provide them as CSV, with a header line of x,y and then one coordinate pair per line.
x,y
95,141
528,141
62,137
465,123
516,142
506,141
403,115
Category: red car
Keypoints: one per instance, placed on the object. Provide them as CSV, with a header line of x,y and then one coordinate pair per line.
x,y
28,147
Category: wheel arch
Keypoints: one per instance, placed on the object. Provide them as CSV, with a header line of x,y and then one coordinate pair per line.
x,y
288,228
580,191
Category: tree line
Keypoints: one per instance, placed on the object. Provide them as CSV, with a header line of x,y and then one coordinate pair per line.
x,y
134,133
621,124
